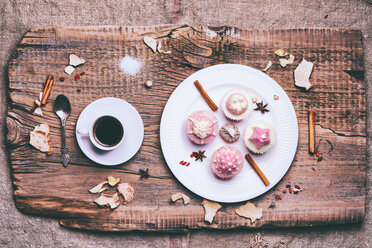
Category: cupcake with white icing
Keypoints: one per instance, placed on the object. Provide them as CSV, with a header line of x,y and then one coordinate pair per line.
x,y
236,105
202,127
259,137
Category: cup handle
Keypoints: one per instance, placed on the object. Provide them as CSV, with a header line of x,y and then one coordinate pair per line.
x,y
83,131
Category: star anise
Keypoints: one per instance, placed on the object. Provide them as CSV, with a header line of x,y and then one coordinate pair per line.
x,y
199,155
144,173
261,107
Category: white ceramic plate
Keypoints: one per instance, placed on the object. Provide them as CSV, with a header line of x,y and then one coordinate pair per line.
x,y
133,130
217,81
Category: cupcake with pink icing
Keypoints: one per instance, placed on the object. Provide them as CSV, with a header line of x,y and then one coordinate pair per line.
x,y
259,137
227,162
202,127
236,105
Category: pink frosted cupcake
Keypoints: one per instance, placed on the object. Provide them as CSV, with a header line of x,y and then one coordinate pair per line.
x,y
235,105
259,137
226,162
202,127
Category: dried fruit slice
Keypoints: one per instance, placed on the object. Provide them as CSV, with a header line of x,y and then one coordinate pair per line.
x,y
269,64
108,200
249,210
39,138
38,112
69,69
76,60
210,210
179,195
112,181
98,188
150,42
302,74
127,191
280,53
284,62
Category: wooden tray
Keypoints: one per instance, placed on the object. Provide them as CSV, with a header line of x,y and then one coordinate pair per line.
x,y
333,189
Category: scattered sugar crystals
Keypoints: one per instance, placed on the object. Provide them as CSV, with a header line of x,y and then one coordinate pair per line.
x,y
130,65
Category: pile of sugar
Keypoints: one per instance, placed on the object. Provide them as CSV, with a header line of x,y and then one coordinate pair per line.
x,y
130,65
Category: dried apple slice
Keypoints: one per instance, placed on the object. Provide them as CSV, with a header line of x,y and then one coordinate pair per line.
x,y
76,60
108,200
179,195
302,74
150,42
285,62
210,210
98,188
69,69
127,191
280,53
250,211
39,138
269,64
112,181
38,112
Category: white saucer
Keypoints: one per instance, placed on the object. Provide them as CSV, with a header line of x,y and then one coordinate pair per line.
x,y
133,130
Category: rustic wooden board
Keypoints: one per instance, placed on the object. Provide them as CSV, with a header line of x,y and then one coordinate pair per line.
x,y
333,189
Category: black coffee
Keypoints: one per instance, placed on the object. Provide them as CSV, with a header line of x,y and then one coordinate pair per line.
x,y
108,131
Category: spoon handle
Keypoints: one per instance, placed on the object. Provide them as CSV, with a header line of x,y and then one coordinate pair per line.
x,y
65,158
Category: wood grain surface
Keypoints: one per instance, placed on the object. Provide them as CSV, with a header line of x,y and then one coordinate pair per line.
x,y
333,189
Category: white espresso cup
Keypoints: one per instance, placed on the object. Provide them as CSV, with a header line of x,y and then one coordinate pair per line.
x,y
106,132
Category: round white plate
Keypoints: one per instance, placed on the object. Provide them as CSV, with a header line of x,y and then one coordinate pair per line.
x,y
133,130
217,81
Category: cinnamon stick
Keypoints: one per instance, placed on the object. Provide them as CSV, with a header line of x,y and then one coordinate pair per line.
x,y
46,84
257,169
311,131
204,94
47,89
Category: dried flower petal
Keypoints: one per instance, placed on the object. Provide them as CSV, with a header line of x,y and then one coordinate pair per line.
x,y
69,69
284,62
108,200
102,189
127,191
276,97
112,181
97,188
179,195
38,112
269,64
150,42
210,210
280,53
75,60
302,74
159,48
39,138
250,211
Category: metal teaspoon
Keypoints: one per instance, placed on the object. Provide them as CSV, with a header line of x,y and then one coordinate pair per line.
x,y
62,108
